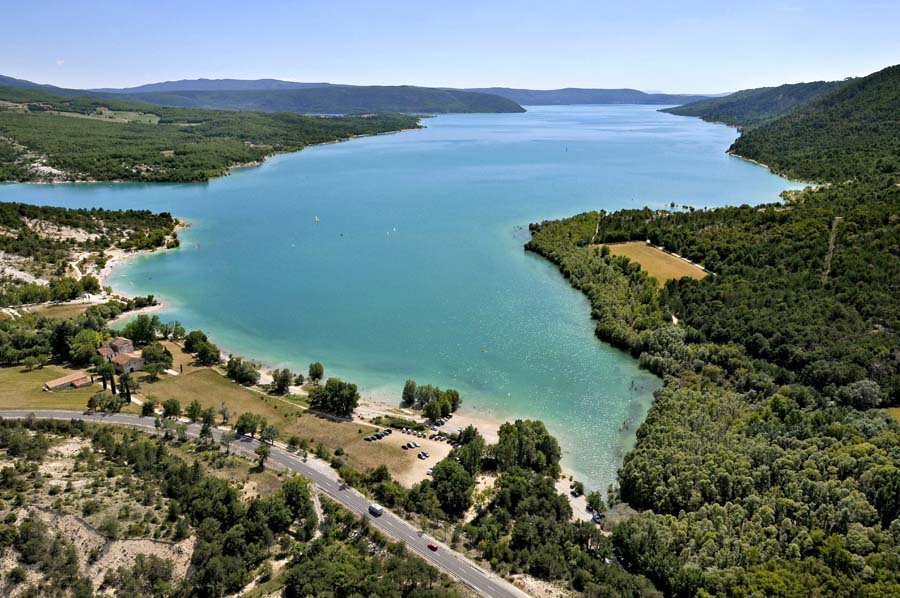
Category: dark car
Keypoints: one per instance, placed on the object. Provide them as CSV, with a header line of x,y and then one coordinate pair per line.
x,y
432,547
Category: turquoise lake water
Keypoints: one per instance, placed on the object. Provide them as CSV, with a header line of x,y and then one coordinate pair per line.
x,y
416,268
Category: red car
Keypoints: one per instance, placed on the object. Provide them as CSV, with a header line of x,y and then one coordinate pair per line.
x,y
432,546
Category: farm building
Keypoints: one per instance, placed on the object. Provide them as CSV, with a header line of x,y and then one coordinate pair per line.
x,y
76,380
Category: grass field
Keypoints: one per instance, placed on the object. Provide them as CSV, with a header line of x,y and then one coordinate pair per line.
x,y
60,310
211,389
657,263
895,411
22,389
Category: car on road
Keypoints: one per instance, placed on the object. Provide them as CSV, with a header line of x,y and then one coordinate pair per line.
x,y
376,509
432,547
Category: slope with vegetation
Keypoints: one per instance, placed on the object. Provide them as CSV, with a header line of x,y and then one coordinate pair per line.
x,y
336,99
764,466
58,138
128,515
754,106
49,253
851,133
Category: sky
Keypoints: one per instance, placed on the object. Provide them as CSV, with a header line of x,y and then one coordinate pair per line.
x,y
683,46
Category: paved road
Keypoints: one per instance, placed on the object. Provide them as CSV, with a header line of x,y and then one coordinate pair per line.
x,y
326,481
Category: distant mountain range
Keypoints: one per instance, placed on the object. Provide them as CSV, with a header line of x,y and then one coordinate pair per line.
x,y
274,95
212,85
575,95
334,99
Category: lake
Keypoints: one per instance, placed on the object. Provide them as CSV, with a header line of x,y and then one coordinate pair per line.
x,y
415,267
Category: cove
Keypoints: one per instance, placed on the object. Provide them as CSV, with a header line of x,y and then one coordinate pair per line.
x,y
415,268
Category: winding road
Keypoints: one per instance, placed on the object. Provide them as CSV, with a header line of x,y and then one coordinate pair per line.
x,y
327,482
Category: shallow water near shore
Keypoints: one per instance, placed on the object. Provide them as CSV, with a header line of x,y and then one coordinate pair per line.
x,y
415,268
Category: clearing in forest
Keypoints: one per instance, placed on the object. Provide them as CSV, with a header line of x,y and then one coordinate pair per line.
x,y
657,263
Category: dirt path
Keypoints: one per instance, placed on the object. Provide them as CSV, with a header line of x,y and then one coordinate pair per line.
x,y
831,243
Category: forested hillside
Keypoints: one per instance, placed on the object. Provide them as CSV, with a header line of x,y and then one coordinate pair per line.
x,y
59,138
853,132
765,466
754,106
142,516
337,99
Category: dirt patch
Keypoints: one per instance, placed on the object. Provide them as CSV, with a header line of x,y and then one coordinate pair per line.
x,y
541,589
98,554
59,232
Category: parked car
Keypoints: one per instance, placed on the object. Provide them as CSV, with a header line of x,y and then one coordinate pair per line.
x,y
430,471
597,518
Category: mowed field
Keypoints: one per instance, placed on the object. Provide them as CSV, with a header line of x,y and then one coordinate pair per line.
x,y
657,263
23,389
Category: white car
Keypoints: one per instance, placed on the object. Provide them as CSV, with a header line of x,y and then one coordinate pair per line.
x,y
376,509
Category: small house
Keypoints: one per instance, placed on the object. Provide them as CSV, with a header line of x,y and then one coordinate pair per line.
x,y
125,363
76,380
120,344
106,353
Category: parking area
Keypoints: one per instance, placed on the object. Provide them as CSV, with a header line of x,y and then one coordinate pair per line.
x,y
415,469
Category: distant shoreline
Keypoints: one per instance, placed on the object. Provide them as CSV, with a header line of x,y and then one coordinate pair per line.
x,y
227,171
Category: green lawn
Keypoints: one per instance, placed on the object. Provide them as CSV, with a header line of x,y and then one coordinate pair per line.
x,y
22,389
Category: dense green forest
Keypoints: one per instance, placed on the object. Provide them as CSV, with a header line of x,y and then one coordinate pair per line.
x,y
754,106
826,132
184,144
851,133
337,99
339,555
764,467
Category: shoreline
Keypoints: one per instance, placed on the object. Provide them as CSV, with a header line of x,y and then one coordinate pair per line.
x,y
226,171
372,403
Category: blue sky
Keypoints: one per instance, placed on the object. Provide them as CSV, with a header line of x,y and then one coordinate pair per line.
x,y
682,46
